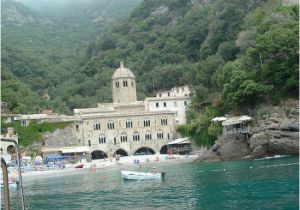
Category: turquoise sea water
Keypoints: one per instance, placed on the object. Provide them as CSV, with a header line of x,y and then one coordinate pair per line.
x,y
269,184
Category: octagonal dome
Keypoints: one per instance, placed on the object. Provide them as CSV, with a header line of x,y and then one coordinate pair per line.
x,y
122,72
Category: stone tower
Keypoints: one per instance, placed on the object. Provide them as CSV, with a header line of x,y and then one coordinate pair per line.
x,y
123,85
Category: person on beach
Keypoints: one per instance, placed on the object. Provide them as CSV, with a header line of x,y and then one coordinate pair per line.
x,y
94,167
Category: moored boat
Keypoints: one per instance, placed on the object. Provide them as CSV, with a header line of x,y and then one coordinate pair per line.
x,y
80,165
11,184
132,175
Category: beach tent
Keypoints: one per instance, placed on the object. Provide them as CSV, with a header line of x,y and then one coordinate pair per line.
x,y
38,160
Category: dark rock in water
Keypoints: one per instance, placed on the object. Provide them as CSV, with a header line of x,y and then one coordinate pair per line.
x,y
234,150
259,151
208,156
283,146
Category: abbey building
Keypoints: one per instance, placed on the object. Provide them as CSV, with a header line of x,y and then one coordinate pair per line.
x,y
125,126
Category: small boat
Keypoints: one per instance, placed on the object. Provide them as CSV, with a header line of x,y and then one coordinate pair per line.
x,y
132,175
11,184
79,165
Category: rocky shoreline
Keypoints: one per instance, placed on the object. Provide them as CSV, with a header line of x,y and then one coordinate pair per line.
x,y
275,131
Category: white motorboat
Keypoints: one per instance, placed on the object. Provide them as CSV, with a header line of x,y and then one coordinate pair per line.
x,y
132,175
10,184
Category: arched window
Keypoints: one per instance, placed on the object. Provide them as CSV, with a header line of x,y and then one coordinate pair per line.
x,y
11,149
128,123
146,122
123,137
102,139
160,134
111,125
97,126
164,121
148,135
136,136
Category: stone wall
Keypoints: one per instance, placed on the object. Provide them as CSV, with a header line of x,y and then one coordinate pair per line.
x,y
62,138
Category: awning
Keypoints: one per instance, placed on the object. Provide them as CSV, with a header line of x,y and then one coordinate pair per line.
x,y
236,120
74,149
82,149
55,157
180,141
219,119
51,149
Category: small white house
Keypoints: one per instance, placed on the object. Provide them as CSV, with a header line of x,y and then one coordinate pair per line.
x,y
176,100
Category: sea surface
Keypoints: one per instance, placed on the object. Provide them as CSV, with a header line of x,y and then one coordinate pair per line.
x,y
256,184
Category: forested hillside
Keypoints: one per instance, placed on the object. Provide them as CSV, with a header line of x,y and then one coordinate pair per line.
x,y
41,47
235,53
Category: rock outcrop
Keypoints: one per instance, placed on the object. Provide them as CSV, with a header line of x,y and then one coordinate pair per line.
x,y
274,132
61,138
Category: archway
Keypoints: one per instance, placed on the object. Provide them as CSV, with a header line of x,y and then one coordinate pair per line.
x,y
164,149
121,152
144,151
11,149
98,154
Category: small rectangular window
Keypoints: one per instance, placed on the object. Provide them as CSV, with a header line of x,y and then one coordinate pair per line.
x,y
157,104
168,93
165,104
175,103
185,103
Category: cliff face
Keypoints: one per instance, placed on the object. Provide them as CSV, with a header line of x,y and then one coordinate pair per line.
x,y
62,138
275,131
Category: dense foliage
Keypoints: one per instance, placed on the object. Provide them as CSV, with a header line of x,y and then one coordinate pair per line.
x,y
235,53
32,133
40,50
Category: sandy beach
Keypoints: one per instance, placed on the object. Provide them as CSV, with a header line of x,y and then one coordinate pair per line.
x,y
124,162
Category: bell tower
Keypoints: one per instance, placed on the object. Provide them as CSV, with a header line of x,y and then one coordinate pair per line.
x,y
123,85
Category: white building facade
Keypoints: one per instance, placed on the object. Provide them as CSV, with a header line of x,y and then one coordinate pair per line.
x,y
175,100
